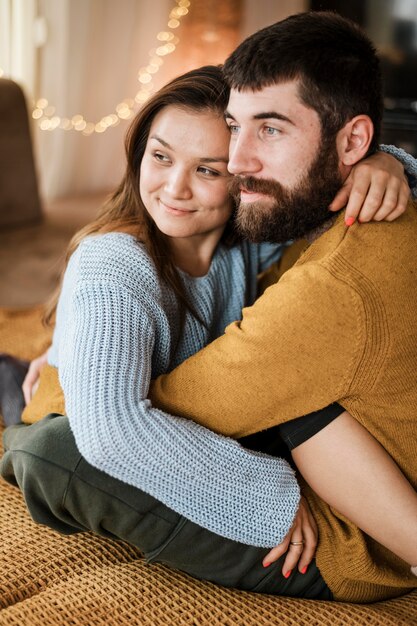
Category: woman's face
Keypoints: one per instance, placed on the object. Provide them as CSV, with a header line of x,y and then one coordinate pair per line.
x,y
183,174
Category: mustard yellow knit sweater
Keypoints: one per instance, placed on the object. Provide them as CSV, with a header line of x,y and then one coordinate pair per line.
x,y
341,325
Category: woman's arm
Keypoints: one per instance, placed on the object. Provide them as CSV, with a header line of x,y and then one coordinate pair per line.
x,y
378,188
112,336
31,381
353,473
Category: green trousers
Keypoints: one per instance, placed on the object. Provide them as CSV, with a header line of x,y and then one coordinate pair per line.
x,y
67,494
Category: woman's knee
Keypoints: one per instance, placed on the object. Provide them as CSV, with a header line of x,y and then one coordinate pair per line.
x,y
50,440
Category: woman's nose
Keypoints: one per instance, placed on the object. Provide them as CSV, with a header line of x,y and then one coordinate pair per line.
x,y
178,184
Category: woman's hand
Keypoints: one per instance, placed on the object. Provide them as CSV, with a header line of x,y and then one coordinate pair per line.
x,y
300,543
376,189
31,382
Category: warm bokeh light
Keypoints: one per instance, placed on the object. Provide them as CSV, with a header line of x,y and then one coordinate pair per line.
x,y
42,103
44,113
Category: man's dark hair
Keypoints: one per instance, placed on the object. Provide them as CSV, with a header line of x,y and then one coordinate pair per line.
x,y
331,57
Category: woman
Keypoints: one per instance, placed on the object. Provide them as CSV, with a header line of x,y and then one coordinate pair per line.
x,y
155,278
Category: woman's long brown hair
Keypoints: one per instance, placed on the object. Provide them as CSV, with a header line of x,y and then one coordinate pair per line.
x,y
202,89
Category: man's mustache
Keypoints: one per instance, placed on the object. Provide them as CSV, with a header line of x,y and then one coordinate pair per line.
x,y
255,185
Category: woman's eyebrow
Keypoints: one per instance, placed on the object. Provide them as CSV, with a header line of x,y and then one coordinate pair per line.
x,y
202,159
164,143
214,160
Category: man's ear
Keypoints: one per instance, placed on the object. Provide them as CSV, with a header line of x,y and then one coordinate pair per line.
x,y
354,139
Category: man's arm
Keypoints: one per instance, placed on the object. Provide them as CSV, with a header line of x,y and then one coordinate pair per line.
x,y
295,351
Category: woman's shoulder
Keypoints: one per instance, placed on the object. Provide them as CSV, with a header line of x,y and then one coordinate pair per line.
x,y
107,244
113,257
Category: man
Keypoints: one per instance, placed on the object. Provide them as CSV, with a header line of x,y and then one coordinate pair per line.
x,y
339,326
329,332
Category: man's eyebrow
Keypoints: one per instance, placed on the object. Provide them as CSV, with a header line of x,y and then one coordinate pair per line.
x,y
273,115
202,159
265,116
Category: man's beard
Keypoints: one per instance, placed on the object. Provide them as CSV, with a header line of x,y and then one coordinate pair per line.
x,y
288,213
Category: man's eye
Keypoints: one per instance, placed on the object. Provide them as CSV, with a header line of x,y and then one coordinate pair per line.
x,y
234,129
271,131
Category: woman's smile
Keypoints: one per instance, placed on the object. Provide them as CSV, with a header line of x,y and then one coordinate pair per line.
x,y
177,211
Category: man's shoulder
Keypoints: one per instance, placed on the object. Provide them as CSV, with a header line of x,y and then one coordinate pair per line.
x,y
307,290
372,249
347,272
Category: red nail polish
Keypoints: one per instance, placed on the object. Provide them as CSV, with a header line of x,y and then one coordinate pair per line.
x,y
266,564
288,574
303,571
349,221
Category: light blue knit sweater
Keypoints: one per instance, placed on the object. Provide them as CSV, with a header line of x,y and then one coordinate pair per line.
x,y
409,163
117,328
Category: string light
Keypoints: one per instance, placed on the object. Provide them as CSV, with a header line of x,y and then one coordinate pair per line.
x,y
45,115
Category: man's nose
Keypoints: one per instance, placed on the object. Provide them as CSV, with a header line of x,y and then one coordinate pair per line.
x,y
177,184
243,156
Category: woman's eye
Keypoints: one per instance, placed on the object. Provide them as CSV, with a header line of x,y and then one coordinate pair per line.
x,y
207,171
162,158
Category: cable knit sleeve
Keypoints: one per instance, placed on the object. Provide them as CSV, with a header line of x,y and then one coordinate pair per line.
x,y
409,162
105,368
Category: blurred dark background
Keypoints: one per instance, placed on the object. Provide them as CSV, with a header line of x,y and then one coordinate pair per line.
x,y
392,25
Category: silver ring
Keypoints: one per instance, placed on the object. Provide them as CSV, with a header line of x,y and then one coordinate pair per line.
x,y
297,543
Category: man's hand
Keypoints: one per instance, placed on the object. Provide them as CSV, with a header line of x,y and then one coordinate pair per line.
x,y
300,542
31,382
376,189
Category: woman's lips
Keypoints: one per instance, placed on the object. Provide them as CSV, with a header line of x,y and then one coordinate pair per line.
x,y
179,211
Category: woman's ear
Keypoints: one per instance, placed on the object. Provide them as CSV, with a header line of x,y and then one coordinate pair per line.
x,y
354,139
